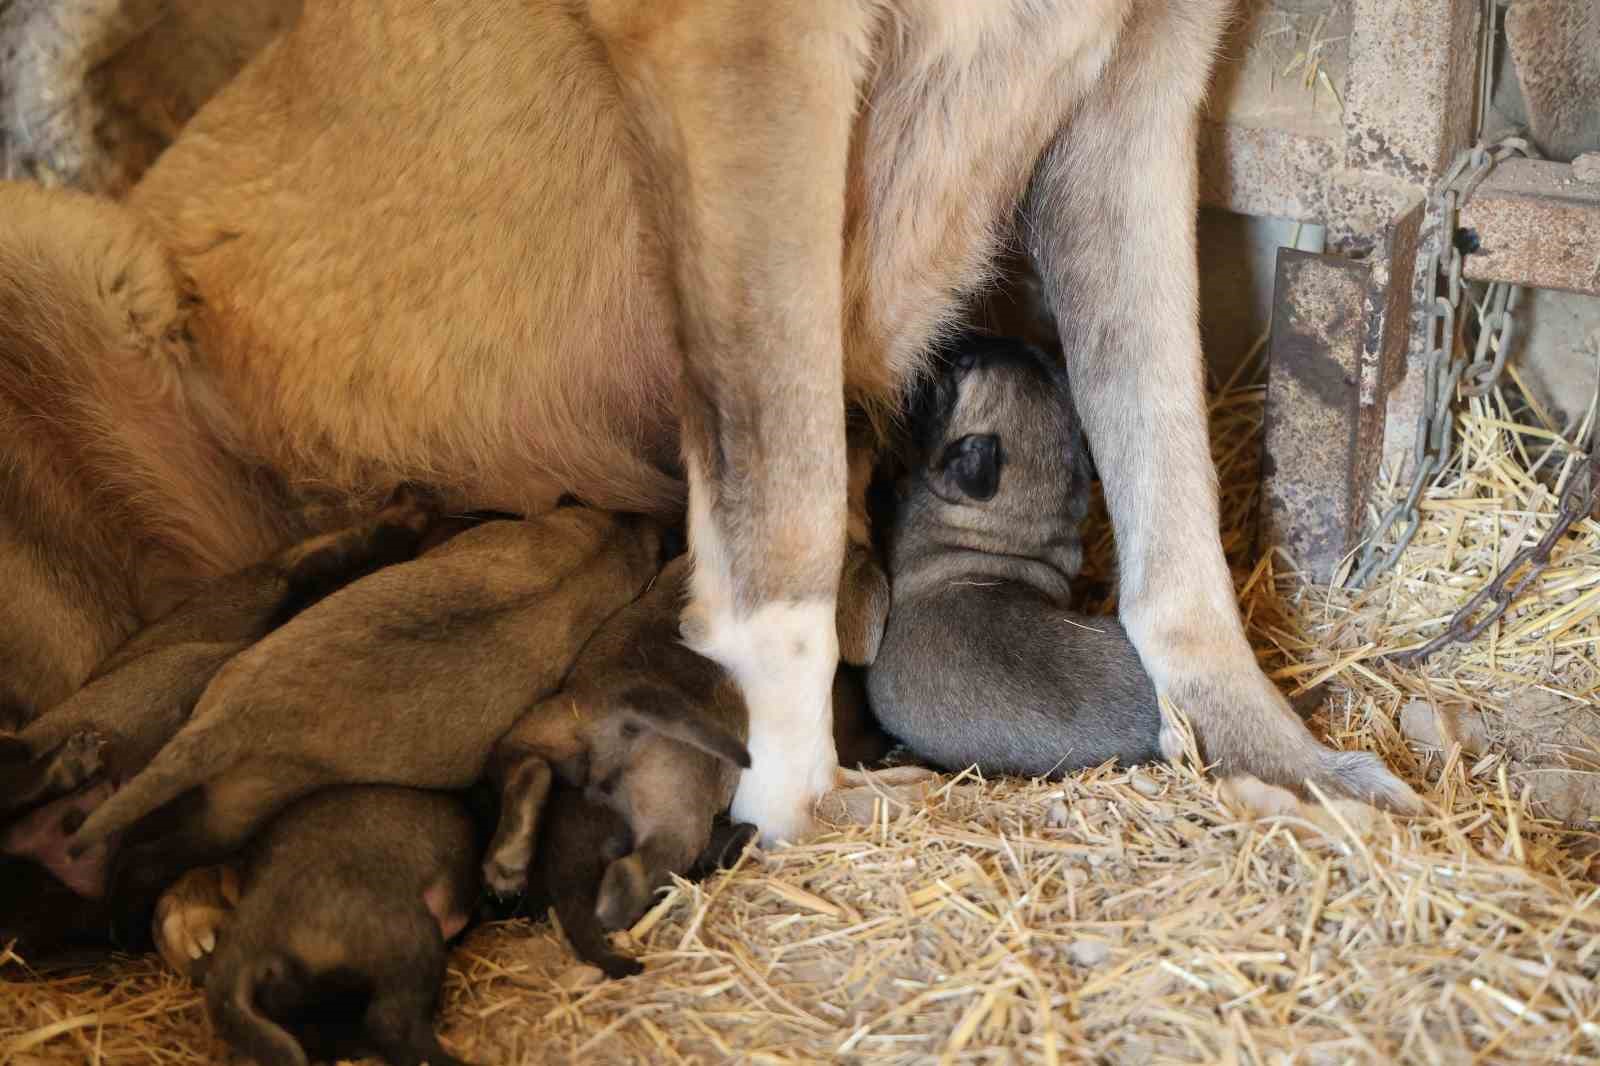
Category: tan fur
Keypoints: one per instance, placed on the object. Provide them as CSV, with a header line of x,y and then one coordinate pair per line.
x,y
485,243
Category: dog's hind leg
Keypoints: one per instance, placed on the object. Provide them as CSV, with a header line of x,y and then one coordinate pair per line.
x,y
1112,221
745,114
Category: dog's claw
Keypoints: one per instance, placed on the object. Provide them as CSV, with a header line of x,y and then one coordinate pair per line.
x,y
187,919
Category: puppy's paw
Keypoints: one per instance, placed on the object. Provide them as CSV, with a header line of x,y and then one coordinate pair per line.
x,y
506,879
63,769
863,607
78,759
1245,727
728,842
411,506
624,893
189,916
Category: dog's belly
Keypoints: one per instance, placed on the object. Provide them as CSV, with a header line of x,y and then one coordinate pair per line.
x,y
423,252
420,255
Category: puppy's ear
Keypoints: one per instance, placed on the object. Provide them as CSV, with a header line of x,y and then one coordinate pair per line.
x,y
665,712
971,465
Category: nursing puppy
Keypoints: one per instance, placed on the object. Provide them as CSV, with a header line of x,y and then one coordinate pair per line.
x,y
579,838
139,696
648,727
348,898
68,761
408,677
982,659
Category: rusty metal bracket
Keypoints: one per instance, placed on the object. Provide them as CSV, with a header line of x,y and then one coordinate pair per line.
x,y
1533,223
1339,333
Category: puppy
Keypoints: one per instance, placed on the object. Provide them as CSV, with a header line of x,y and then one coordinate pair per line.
x,y
578,840
65,763
139,696
650,728
348,898
982,660
409,677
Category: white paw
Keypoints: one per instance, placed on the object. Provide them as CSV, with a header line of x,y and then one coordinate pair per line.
x,y
783,655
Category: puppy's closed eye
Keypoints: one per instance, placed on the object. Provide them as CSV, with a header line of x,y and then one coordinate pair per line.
x,y
971,465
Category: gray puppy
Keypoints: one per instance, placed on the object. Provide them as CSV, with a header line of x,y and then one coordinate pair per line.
x,y
348,898
650,728
982,661
407,677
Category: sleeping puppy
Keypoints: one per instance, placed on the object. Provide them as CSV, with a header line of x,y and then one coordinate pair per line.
x,y
348,898
407,677
66,762
139,696
578,840
649,728
982,660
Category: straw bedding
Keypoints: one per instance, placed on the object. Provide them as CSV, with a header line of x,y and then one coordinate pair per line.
x,y
1116,916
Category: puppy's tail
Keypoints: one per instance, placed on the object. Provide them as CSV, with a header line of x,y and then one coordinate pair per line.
x,y
188,760
663,711
233,1006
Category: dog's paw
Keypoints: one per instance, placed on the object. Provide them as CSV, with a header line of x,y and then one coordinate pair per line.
x,y
1245,727
783,656
506,879
189,916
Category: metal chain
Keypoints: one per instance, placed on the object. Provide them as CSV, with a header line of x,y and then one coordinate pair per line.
x,y
1443,372
1577,500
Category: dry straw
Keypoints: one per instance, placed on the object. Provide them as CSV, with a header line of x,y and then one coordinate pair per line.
x,y
1116,916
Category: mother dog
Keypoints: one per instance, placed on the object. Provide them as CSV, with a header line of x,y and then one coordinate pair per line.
x,y
524,247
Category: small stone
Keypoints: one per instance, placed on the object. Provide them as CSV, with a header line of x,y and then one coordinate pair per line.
x,y
1143,784
1076,876
1088,952
1096,858
1056,816
1587,167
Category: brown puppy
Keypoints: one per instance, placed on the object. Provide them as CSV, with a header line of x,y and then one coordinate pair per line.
x,y
143,692
579,839
133,703
348,898
408,677
650,728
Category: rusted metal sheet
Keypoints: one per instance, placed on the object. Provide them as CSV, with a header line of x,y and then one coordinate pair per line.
x,y
1314,411
1408,98
1264,171
1386,342
1534,223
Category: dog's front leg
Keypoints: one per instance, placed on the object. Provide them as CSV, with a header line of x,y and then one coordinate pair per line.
x,y
744,113
1113,222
